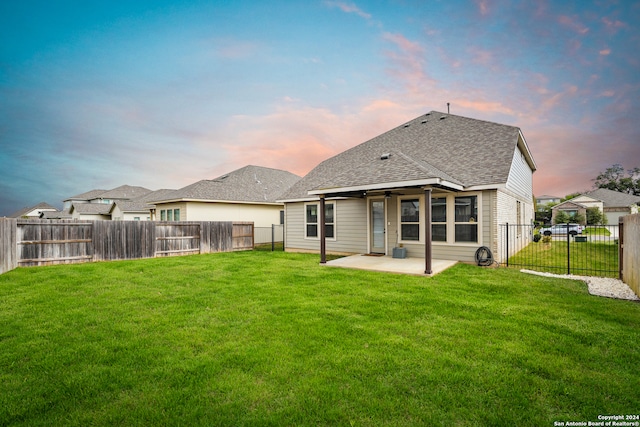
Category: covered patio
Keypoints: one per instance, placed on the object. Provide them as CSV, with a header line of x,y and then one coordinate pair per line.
x,y
414,266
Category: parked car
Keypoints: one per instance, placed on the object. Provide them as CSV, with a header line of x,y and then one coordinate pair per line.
x,y
561,229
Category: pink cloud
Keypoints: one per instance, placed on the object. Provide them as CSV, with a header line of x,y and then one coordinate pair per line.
x,y
605,52
348,8
573,24
483,7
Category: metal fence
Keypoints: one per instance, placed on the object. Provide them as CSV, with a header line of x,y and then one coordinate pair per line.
x,y
274,236
592,252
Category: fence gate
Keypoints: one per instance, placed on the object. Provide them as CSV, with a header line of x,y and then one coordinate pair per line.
x,y
592,252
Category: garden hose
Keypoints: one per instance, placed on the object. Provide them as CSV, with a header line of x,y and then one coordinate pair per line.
x,y
484,257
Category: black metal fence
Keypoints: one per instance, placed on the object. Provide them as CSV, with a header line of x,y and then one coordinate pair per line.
x,y
589,251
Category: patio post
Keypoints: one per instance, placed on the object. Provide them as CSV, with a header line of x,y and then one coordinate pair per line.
x,y
323,249
427,231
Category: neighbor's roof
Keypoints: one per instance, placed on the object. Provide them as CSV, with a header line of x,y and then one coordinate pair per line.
x,y
433,148
125,192
64,214
42,206
91,208
613,199
252,184
89,195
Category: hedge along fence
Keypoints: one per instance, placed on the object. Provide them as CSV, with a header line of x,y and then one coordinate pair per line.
x,y
45,242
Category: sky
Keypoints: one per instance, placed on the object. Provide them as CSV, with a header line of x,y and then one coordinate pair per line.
x,y
161,94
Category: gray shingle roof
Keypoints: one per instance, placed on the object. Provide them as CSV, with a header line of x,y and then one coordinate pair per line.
x,y
613,199
248,184
24,211
124,192
463,151
89,195
92,208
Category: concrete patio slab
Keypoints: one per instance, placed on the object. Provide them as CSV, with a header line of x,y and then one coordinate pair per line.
x,y
388,264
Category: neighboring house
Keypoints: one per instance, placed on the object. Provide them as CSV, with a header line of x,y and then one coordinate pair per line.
x,y
469,175
571,208
63,214
545,200
126,195
82,198
90,211
34,211
246,194
613,204
137,209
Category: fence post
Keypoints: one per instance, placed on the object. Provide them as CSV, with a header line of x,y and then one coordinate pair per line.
x,y
507,227
568,251
621,248
273,238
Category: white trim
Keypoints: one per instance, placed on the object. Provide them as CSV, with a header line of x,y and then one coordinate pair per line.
x,y
235,202
420,222
386,185
370,225
335,220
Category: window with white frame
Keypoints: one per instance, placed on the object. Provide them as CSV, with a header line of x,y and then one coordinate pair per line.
x,y
410,219
176,214
312,220
169,214
438,219
466,219
163,215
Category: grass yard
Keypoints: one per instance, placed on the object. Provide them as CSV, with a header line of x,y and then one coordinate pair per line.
x,y
587,258
261,338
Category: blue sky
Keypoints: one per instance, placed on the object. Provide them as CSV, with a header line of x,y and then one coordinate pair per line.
x,y
97,94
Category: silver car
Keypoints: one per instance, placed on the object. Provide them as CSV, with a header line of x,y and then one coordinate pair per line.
x,y
574,229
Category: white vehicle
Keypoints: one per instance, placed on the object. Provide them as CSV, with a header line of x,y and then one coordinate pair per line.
x,y
561,229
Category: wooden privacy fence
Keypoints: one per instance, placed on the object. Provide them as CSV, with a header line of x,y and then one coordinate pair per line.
x,y
46,242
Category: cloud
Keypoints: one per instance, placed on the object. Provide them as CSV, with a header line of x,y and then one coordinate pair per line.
x,y
483,7
348,8
573,23
605,52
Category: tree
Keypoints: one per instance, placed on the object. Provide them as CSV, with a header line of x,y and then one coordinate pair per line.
x,y
595,216
615,178
561,217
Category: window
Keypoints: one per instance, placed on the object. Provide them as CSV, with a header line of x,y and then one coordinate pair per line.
x,y
519,219
281,217
169,214
136,218
176,214
312,222
410,219
466,215
163,215
439,219
329,220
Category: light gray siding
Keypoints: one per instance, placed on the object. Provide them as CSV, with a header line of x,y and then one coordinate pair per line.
x,y
520,179
350,228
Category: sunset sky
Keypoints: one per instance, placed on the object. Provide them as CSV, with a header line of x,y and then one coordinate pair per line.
x,y
161,94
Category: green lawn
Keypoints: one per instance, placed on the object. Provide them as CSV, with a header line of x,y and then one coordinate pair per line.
x,y
261,338
587,258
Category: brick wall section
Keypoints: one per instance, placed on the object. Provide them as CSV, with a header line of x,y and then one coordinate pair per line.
x,y
631,252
